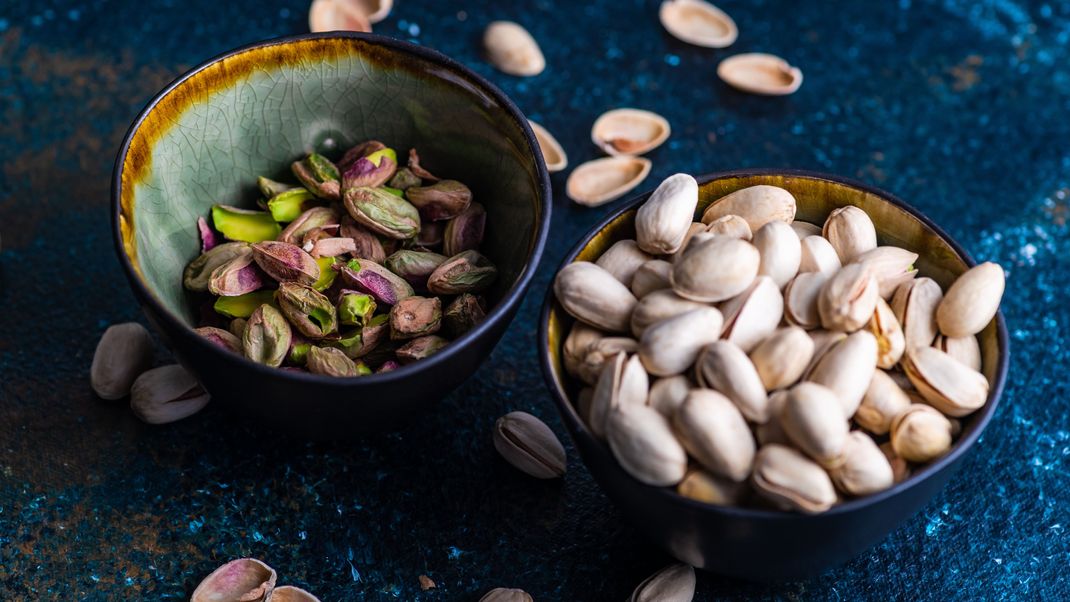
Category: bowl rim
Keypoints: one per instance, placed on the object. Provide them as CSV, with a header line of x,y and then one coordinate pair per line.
x,y
579,430
510,299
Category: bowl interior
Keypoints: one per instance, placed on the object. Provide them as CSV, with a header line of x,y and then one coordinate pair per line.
x,y
252,112
816,197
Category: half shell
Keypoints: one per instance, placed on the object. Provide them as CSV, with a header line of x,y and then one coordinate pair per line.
x,y
552,153
698,22
245,579
512,50
629,131
760,73
602,180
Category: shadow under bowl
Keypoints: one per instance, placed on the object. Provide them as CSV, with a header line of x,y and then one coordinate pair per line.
x,y
250,112
755,543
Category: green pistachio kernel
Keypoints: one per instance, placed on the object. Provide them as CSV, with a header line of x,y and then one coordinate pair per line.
x,y
244,225
377,157
243,306
288,205
299,353
355,309
394,191
327,275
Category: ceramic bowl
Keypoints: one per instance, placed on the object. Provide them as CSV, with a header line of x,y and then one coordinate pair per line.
x,y
761,544
206,137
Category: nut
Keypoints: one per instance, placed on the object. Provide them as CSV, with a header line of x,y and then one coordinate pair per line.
x,y
920,434
782,357
965,349
817,255
753,314
651,276
529,445
848,299
914,304
674,583
670,346
846,368
890,340
657,306
592,295
792,481
645,445
702,486
972,301
123,353
891,266
800,299
883,401
732,226
245,579
714,268
715,433
780,252
947,384
758,205
850,231
666,394
813,419
662,222
724,367
623,382
865,469
167,394
622,260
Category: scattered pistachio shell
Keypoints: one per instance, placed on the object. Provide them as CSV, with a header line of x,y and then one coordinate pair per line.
x,y
758,205
760,73
602,180
167,394
241,580
965,349
920,433
946,383
552,153
512,50
791,480
714,432
644,444
629,131
426,583
972,301
504,594
123,353
337,15
289,593
698,22
674,583
529,445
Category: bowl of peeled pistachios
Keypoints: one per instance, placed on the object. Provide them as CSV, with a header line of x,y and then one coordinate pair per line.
x,y
331,231
768,371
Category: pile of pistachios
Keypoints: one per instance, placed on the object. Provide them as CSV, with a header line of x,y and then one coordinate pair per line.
x,y
361,268
752,359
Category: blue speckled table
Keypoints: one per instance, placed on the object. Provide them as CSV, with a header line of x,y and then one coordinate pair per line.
x,y
959,107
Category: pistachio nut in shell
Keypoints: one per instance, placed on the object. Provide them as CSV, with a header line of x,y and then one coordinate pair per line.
x,y
505,594
289,593
803,229
848,299
241,580
782,357
552,153
308,310
714,268
800,299
512,50
865,469
760,73
780,252
464,232
732,226
599,353
674,583
920,434
593,296
972,301
883,401
652,276
850,232
791,480
703,486
441,200
123,353
946,383
286,262
813,419
900,467
463,314
846,368
220,338
914,304
382,212
316,217
372,170
817,255
725,368
529,445
236,277
579,340
890,340
630,132
466,272
753,314
319,175
414,266
698,22
823,341
772,431
415,316
644,444
666,394
600,181
965,349
716,434
368,245
692,230
622,260
622,382
267,336
891,266
670,347
420,348
167,394
758,205
197,273
657,306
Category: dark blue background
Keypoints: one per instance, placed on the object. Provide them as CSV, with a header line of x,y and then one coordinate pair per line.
x,y
959,107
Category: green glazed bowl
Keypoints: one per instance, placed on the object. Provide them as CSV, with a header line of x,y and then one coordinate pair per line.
x,y
250,112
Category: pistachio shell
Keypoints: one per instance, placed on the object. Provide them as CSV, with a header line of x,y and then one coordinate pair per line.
x,y
123,353
512,50
813,419
601,352
377,9
337,15
848,299
715,433
289,593
964,349
800,299
803,229
502,594
847,368
623,382
674,583
666,394
920,434
891,266
579,340
772,431
726,368
622,260
850,231
645,446
602,180
583,404
782,357
692,230
197,274
669,347
947,384
630,132
552,153
753,315
890,340
662,222
900,467
731,225
592,295
221,338
865,469
286,262
702,486
241,580
883,401
823,341
167,394
791,480
760,73
817,255
236,277
972,301
698,22
652,276
715,268
914,304
780,252
529,445
758,205
658,306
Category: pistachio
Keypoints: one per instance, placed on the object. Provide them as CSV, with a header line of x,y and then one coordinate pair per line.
x,y
267,336
462,314
414,317
237,327
238,276
355,309
850,231
316,217
592,295
367,339
780,252
243,306
631,132
199,271
466,272
725,368
792,481
846,368
703,486
337,15
622,260
964,349
657,306
529,445
674,583
318,175
698,22
243,224
417,169
367,245
782,357
914,304
715,433
823,341
848,299
502,594
369,277
758,205
651,276
329,361
244,580
270,188
512,50
404,179
583,404
753,314
800,299
372,170
123,353
865,469
669,347
883,401
890,340
666,394
714,268
813,419
732,226
361,149
772,430
442,200
947,384
891,266
900,467
286,262
464,232
803,229
602,351
692,230
166,394
220,338
760,73
308,310
552,153
289,593
644,444
287,205
382,212
431,233
414,266
622,382
920,433
602,180
972,301
388,366
817,255
579,340
420,348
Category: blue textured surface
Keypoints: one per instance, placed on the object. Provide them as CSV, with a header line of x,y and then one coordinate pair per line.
x,y
956,106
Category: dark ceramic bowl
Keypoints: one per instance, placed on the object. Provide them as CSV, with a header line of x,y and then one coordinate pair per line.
x,y
754,543
207,136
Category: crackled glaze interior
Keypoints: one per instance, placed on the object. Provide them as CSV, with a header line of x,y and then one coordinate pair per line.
x,y
252,113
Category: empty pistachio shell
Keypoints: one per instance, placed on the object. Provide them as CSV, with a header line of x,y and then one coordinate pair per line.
x,y
800,299
123,353
947,384
504,594
920,433
791,480
714,268
286,262
630,132
199,271
914,304
803,229
289,593
663,220
602,351
972,301
622,260
848,299
780,252
552,153
702,486
726,368
864,470
883,401
900,467
890,340
666,394
782,357
847,368
167,394
529,445
623,382
652,276
236,277
602,180
698,22
267,336
674,583
670,347
772,431
716,434
760,73
730,225
817,255
592,295
891,266
753,314
512,50
813,419
658,306
241,580
964,349
645,446
758,205
850,231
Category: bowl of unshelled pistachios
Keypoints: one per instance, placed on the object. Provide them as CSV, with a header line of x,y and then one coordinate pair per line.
x,y
769,371
331,231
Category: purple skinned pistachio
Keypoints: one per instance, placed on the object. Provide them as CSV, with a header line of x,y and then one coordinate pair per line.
x,y
197,273
415,317
310,312
208,237
382,212
466,272
329,361
220,338
369,277
361,150
462,314
440,201
465,232
414,167
414,266
316,217
237,276
319,176
368,245
371,170
431,234
286,262
267,336
388,366
333,247
420,348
